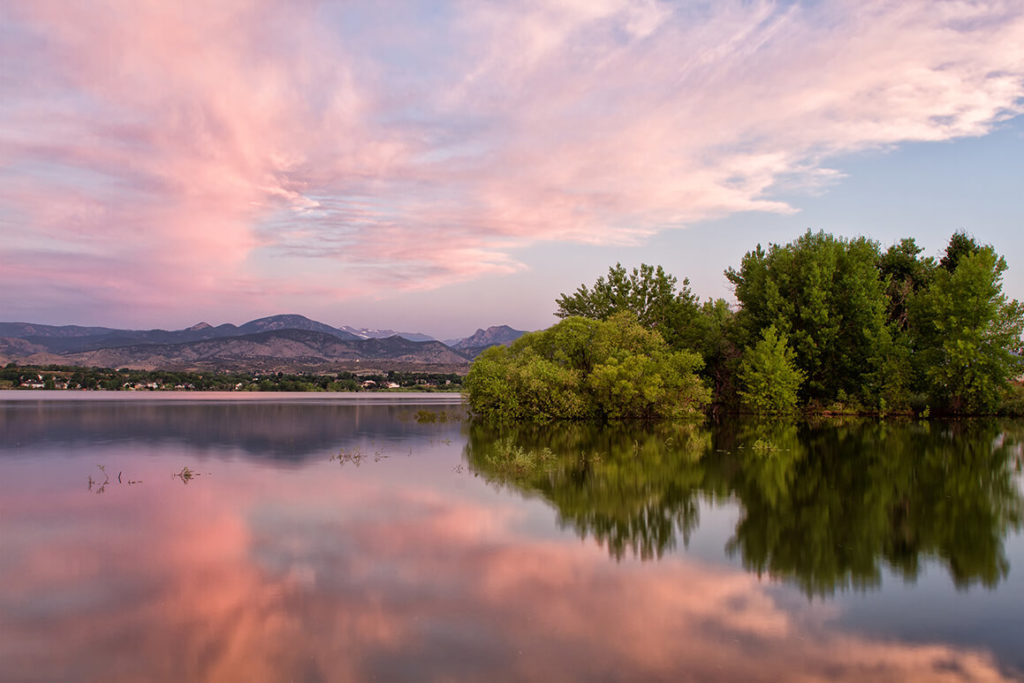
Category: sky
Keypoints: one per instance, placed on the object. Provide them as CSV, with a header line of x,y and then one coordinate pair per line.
x,y
442,166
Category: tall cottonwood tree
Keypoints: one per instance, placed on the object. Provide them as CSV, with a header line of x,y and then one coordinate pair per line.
x,y
648,292
905,272
825,295
966,333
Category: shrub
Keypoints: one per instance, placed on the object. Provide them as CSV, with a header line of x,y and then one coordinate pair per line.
x,y
769,378
580,368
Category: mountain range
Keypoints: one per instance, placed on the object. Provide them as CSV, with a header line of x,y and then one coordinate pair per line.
x,y
286,343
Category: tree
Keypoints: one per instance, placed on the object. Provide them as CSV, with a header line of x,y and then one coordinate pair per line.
x,y
825,295
768,376
960,245
648,292
904,273
967,335
717,339
580,368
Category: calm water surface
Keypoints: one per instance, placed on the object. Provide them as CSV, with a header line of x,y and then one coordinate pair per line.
x,y
346,538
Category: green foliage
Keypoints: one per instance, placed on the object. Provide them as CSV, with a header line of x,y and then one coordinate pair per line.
x,y
879,335
967,335
866,329
1012,402
652,386
768,375
648,292
508,460
904,273
581,369
891,381
684,323
714,334
825,295
960,245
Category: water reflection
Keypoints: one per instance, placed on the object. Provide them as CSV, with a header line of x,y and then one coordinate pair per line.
x,y
351,579
289,431
824,506
367,550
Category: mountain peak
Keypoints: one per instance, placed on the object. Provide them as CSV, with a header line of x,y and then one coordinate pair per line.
x,y
492,336
280,321
292,321
200,326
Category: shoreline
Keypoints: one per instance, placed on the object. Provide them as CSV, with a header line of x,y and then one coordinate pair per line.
x,y
376,397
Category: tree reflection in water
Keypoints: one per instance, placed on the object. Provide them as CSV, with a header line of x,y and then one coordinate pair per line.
x,y
823,505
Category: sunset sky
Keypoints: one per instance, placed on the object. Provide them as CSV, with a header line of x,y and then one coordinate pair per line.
x,y
441,166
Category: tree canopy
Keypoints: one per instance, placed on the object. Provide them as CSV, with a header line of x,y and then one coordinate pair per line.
x,y
822,322
648,292
825,294
587,369
966,334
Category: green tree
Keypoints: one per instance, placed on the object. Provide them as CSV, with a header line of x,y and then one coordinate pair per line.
x,y
648,292
904,273
891,379
960,245
768,376
652,296
580,368
967,335
636,375
825,295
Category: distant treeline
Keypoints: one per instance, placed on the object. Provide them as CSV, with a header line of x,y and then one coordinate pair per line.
x,y
69,377
824,324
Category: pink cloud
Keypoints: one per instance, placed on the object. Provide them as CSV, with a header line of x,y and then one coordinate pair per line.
x,y
197,150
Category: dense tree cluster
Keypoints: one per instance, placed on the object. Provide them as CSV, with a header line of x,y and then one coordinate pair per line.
x,y
583,368
823,323
885,330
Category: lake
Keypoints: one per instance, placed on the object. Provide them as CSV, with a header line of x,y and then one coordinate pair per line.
x,y
334,537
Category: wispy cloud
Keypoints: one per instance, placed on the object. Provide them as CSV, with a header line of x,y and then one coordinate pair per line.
x,y
194,149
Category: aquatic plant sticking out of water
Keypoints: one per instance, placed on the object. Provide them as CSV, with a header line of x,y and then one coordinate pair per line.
x,y
356,456
186,474
96,486
430,416
511,460
101,486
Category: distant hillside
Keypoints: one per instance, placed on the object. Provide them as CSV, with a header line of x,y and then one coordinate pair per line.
x,y
74,339
287,350
293,322
24,330
286,342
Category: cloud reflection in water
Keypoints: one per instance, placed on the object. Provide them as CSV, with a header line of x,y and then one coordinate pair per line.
x,y
326,574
